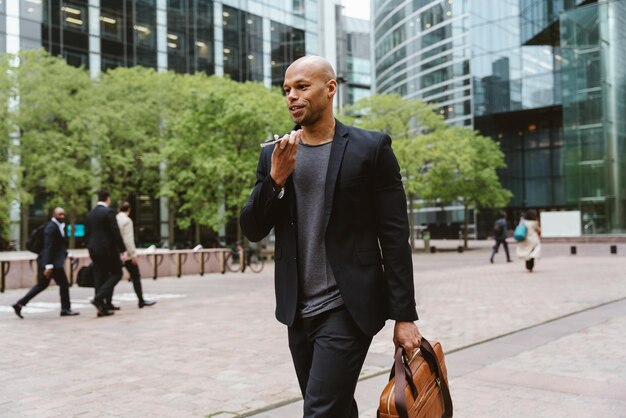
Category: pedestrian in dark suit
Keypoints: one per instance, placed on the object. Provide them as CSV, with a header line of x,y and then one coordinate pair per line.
x,y
500,233
50,263
105,246
334,196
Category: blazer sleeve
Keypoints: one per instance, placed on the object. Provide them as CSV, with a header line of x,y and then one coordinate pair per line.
x,y
48,242
393,233
115,231
258,216
129,237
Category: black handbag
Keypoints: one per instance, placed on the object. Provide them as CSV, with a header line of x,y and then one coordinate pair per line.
x,y
84,277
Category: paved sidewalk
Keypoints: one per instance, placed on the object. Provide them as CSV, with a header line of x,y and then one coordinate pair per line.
x,y
211,346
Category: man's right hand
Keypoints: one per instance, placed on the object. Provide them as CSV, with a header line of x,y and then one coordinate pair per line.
x,y
47,273
284,157
134,260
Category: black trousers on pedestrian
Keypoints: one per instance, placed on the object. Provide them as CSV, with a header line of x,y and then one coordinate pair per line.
x,y
58,274
107,272
504,244
135,276
328,352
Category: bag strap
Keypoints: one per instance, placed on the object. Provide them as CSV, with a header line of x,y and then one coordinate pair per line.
x,y
429,351
402,379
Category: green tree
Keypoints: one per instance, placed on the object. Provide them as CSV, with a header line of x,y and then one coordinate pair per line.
x,y
462,166
128,109
7,168
211,159
54,136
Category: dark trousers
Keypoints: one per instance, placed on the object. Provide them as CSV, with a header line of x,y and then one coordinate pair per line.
x,y
107,272
328,351
135,276
504,244
58,274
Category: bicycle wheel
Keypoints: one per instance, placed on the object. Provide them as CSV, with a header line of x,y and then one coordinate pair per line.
x,y
256,263
232,261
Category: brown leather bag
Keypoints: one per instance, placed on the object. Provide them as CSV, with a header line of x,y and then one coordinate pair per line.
x,y
417,388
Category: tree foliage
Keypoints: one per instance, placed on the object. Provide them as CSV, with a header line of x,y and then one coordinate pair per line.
x,y
439,163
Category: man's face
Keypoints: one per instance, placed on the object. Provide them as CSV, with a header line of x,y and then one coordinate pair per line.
x,y
59,215
307,94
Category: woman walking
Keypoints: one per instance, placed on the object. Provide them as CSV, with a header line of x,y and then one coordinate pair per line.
x,y
530,248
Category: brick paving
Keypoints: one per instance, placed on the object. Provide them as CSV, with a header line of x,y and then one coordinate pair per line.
x,y
211,346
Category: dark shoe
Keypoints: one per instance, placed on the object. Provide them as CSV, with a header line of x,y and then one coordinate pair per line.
x,y
69,312
18,310
105,313
509,261
143,303
101,309
491,260
112,307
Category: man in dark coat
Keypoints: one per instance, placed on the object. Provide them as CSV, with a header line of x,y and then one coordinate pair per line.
x,y
500,233
50,263
105,246
334,196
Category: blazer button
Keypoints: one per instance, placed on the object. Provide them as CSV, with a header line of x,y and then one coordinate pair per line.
x,y
291,223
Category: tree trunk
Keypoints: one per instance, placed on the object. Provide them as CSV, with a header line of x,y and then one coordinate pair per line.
x,y
72,243
411,222
23,225
197,237
170,224
465,222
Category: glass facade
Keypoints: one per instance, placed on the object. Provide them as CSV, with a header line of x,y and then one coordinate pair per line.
x,y
540,20
593,40
287,46
190,33
421,50
545,78
243,45
355,68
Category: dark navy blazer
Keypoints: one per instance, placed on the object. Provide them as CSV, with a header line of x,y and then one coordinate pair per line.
x,y
54,248
366,224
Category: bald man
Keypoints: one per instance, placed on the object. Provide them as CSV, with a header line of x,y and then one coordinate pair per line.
x,y
334,196
50,262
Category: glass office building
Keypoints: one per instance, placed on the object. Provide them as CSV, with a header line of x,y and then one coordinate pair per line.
x,y
246,40
354,71
546,80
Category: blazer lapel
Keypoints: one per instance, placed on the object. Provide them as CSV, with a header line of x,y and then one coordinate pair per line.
x,y
338,147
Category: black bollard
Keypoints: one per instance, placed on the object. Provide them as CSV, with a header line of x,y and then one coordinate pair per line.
x,y
459,249
613,249
572,250
433,249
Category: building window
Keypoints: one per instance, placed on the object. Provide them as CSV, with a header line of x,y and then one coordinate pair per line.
x,y
144,35
111,27
74,17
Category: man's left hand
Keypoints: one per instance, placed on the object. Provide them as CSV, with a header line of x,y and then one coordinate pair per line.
x,y
407,335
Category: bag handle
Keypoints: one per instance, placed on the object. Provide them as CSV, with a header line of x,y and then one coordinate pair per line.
x,y
403,378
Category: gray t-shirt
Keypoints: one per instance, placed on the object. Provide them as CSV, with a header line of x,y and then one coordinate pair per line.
x,y
318,291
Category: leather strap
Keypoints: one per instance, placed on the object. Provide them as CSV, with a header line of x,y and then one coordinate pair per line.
x,y
402,379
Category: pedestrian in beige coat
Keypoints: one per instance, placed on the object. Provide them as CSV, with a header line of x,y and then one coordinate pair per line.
x,y
127,230
530,248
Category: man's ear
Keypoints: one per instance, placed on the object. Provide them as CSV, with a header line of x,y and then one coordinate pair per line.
x,y
331,85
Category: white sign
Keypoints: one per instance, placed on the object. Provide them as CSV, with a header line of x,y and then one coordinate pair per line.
x,y
561,224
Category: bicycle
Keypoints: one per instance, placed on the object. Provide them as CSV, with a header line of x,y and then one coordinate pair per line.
x,y
252,259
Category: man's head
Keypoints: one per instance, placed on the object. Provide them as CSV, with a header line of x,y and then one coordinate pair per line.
x,y
310,85
59,214
104,196
125,207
